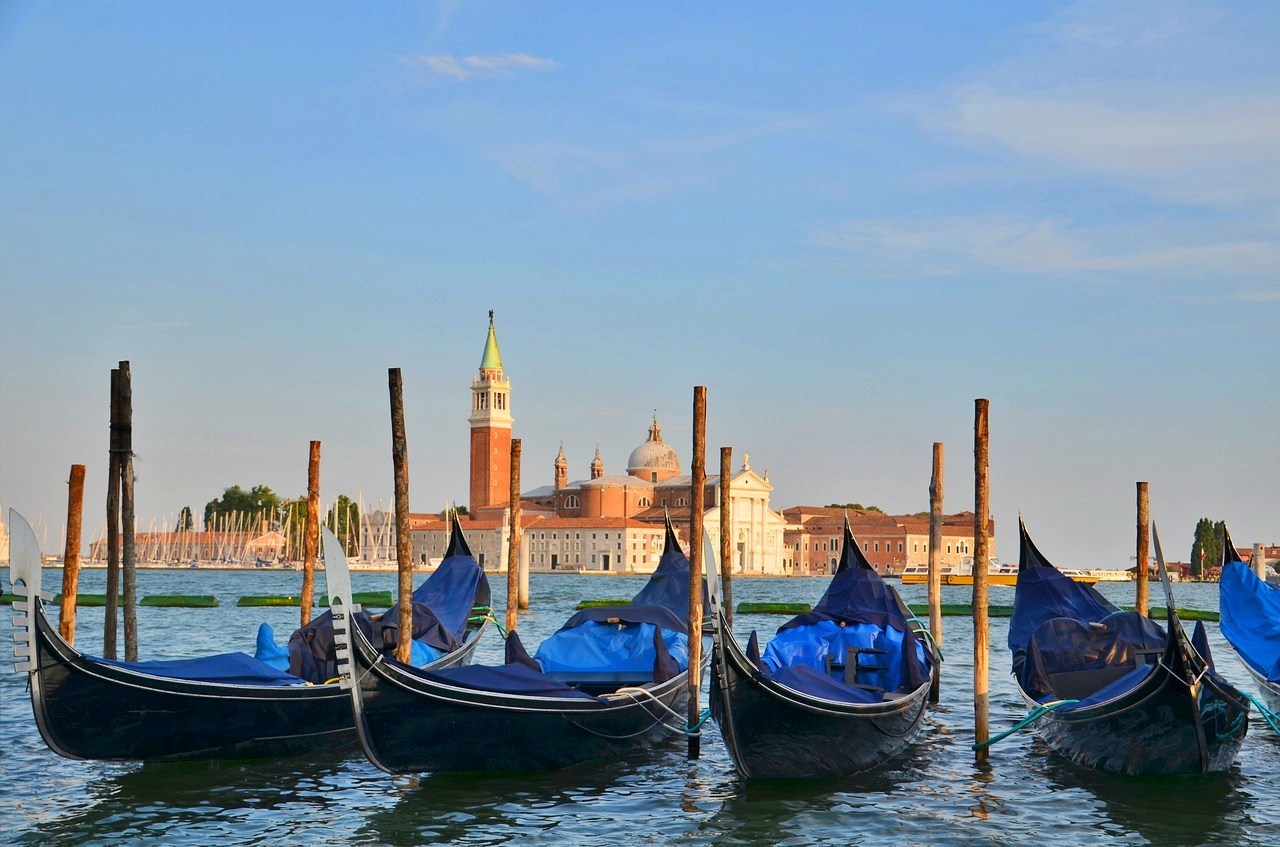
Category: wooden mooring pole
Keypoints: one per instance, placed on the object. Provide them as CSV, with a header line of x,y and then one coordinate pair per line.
x,y
111,613
312,538
1144,543
128,519
981,555
513,542
697,496
71,555
404,542
935,565
726,537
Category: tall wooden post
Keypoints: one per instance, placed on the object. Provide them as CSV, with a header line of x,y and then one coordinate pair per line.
x,y
71,556
513,543
935,563
1259,561
404,542
697,496
726,536
1144,542
981,555
312,538
112,611
128,550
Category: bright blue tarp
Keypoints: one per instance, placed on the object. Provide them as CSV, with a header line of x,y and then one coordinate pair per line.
x,y
1250,612
226,668
857,610
267,651
594,645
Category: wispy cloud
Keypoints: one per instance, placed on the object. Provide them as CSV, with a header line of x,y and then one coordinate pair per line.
x,y
463,68
1047,248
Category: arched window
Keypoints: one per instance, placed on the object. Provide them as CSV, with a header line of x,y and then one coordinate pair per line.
x,y
682,501
644,503
572,502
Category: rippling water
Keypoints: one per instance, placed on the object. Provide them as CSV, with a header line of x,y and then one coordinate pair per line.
x,y
936,795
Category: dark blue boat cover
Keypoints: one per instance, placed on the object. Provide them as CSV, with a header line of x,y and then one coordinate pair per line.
x,y
1250,618
858,610
669,585
1063,626
441,608
225,668
508,679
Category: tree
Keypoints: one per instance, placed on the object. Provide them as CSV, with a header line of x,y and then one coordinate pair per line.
x,y
258,499
857,506
185,521
345,523
1206,550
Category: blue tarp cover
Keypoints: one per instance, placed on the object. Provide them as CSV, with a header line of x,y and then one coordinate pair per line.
x,y
1250,618
266,649
669,584
1061,626
857,610
593,645
816,683
226,668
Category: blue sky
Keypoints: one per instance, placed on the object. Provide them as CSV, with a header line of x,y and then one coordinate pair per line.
x,y
848,221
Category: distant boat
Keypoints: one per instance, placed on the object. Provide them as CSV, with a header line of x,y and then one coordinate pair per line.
x,y
998,573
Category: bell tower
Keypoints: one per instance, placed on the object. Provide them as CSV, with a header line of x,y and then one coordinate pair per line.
x,y
562,469
490,430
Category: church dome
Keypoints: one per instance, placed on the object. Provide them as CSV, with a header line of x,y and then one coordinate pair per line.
x,y
653,455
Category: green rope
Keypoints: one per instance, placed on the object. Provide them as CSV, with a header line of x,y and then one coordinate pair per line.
x,y
1036,714
1272,719
697,727
491,619
924,630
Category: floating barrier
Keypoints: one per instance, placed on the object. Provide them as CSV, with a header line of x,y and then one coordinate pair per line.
x,y
381,599
773,608
180,601
81,599
597,604
269,600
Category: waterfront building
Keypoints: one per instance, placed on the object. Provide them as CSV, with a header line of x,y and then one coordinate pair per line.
x,y
4,542
183,546
890,542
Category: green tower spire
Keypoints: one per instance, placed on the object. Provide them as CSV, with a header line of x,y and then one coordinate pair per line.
x,y
491,360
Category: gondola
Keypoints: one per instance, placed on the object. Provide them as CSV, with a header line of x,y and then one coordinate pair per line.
x,y
1111,689
214,707
610,680
839,690
1249,611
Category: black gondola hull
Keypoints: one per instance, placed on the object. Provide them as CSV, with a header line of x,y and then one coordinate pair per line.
x,y
775,732
409,724
89,710
1159,728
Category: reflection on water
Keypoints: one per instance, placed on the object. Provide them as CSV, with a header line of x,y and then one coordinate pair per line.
x,y
934,795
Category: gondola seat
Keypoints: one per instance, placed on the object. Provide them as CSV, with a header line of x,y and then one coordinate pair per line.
x,y
614,646
1071,659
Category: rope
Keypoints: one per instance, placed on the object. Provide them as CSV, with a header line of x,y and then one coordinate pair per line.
x,y
1036,714
491,619
924,630
686,729
1272,719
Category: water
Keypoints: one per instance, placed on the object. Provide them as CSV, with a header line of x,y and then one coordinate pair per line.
x,y
935,795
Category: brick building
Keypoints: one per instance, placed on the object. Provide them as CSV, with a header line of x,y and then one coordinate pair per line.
x,y
890,542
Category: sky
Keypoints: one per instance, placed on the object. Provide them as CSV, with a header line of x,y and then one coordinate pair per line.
x,y
847,220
